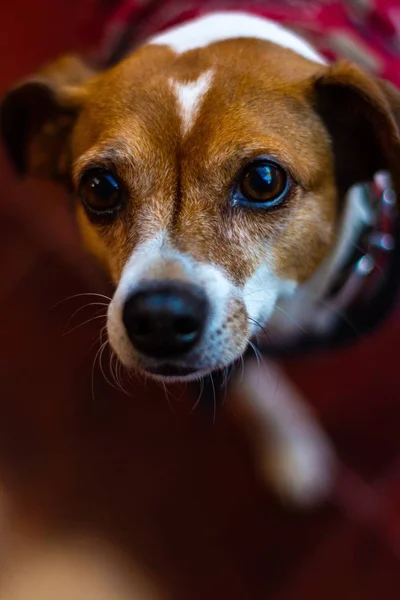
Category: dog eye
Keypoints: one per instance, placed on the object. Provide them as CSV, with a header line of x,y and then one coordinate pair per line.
x,y
100,192
263,184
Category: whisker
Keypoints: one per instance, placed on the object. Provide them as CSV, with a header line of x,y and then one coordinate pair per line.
x,y
112,367
102,367
97,316
118,372
231,371
98,338
225,377
278,380
227,374
167,395
82,308
290,318
242,368
81,295
214,399
199,396
117,386
120,368
259,325
94,365
257,354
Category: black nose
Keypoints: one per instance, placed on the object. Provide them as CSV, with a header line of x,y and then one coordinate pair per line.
x,y
165,319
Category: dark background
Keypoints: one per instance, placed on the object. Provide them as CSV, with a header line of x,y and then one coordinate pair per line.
x,y
170,486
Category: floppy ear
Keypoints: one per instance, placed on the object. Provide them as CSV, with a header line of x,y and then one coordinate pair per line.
x,y
37,116
362,115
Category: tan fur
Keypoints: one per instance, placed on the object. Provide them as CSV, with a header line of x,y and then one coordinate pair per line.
x,y
264,99
242,116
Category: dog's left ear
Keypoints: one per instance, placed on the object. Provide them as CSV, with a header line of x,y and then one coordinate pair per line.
x,y
37,116
362,115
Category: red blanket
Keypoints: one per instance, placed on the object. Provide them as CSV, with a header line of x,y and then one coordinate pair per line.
x,y
365,31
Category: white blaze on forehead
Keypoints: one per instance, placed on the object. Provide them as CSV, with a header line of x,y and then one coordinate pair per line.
x,y
230,25
189,97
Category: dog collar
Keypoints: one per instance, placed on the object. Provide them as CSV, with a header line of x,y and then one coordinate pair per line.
x,y
365,290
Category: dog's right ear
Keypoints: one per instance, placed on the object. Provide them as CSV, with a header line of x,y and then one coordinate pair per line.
x,y
37,116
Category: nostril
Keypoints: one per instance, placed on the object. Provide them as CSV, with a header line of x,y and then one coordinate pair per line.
x,y
187,327
140,326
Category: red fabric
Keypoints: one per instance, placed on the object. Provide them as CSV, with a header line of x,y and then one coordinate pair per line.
x,y
366,35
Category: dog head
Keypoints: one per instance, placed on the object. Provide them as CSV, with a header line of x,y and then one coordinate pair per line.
x,y
208,179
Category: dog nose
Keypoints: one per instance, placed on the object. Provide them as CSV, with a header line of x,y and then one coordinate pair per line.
x,y
165,319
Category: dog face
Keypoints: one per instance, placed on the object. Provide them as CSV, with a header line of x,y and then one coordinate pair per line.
x,y
208,182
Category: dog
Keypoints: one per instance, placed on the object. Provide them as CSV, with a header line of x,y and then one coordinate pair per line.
x,y
217,176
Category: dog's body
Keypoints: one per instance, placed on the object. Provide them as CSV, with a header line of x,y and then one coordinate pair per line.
x,y
177,154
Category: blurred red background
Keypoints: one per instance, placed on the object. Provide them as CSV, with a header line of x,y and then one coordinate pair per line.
x,y
168,485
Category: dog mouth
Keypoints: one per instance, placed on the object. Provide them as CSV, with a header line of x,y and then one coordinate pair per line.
x,y
170,370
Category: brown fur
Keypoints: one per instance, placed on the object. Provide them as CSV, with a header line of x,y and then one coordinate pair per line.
x,y
185,189
329,127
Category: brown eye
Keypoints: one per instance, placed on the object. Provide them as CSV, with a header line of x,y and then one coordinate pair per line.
x,y
100,192
263,184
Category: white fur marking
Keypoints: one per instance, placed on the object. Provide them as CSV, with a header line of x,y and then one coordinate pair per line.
x,y
140,260
147,262
189,96
261,293
230,25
